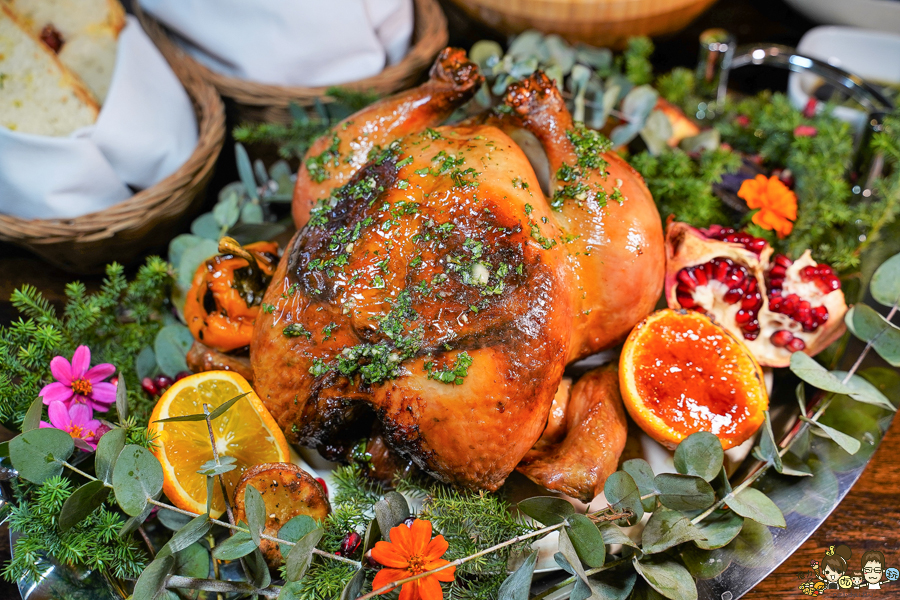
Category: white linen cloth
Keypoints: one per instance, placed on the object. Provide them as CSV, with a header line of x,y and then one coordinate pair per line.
x,y
145,131
290,42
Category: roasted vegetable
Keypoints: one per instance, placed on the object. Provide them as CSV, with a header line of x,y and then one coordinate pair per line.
x,y
227,292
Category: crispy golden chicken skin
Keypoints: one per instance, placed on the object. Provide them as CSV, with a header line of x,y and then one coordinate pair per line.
x,y
434,288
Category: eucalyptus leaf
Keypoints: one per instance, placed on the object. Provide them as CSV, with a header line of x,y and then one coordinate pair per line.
x,y
257,569
869,326
294,530
547,510
33,416
885,284
638,104
206,228
801,397
83,501
131,525
486,53
298,559
708,139
192,259
223,408
227,211
614,584
239,545
518,585
177,247
121,399
613,534
587,540
719,529
152,582
667,577
815,374
642,473
668,528
247,233
568,552
656,132
768,448
526,44
245,171
622,493
193,561
684,492
4,449
750,503
372,536
171,347
217,470
171,519
353,589
280,173
598,58
38,454
255,509
195,530
865,392
700,454
623,134
252,213
137,478
848,443
292,590
390,512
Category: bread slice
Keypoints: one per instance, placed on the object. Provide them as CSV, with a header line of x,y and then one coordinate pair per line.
x,y
37,93
88,30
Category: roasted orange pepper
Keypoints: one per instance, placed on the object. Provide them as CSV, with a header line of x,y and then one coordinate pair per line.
x,y
226,294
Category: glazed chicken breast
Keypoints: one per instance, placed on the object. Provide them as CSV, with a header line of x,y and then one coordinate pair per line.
x,y
434,289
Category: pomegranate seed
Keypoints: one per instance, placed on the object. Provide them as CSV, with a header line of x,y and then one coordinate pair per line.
x,y
709,270
757,245
752,285
752,326
831,283
369,561
802,313
779,271
700,275
776,303
790,304
751,335
781,338
742,316
149,387
782,260
751,301
163,382
821,314
323,484
685,300
735,276
723,266
350,544
181,375
776,284
796,345
733,295
686,276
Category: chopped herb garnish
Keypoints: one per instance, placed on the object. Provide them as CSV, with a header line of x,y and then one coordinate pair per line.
x,y
327,331
296,330
317,164
455,374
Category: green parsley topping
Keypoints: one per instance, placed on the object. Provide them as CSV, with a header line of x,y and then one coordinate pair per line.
x,y
317,164
456,374
296,330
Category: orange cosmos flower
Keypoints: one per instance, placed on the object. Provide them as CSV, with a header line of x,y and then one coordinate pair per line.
x,y
776,203
412,551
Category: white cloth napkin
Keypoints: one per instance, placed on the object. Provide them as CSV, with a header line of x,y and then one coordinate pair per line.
x,y
145,131
291,42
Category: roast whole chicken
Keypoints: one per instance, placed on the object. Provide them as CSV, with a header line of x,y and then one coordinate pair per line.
x,y
435,290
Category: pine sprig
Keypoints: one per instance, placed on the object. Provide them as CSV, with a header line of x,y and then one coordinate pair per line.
x,y
115,323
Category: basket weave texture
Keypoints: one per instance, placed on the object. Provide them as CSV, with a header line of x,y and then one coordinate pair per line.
x,y
125,230
598,22
260,102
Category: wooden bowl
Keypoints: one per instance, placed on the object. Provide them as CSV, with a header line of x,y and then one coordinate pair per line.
x,y
598,22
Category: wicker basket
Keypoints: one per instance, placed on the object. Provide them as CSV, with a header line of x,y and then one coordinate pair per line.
x,y
599,22
259,102
149,218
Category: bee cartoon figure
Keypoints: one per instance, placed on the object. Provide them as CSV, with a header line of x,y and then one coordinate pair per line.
x,y
873,568
834,565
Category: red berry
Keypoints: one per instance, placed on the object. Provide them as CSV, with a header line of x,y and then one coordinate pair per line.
x,y
149,387
322,483
162,382
350,544
181,375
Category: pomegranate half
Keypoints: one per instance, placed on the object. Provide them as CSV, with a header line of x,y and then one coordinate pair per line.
x,y
775,305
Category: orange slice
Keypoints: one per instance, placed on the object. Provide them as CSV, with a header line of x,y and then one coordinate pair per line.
x,y
681,373
245,432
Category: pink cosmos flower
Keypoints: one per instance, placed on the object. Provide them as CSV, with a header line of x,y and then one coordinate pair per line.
x,y
76,420
77,383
